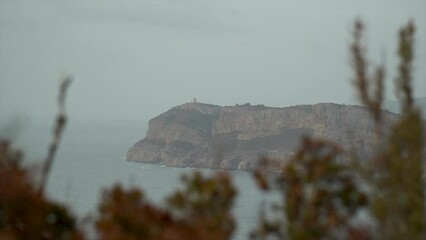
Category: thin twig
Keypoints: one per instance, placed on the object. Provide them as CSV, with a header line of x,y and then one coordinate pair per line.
x,y
404,79
60,123
363,80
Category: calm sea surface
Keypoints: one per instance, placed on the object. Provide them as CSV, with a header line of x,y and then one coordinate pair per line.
x,y
92,157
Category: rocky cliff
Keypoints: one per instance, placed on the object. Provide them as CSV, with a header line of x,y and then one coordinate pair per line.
x,y
204,135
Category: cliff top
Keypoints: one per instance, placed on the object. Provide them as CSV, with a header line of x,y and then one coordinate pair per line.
x,y
207,108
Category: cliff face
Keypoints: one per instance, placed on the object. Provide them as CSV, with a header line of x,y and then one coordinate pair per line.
x,y
204,135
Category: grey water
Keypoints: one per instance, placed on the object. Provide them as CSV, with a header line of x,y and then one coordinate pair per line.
x,y
91,158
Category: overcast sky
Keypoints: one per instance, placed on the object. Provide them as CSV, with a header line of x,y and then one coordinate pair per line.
x,y
135,60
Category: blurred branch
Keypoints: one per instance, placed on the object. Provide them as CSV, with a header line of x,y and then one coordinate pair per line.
x,y
373,100
404,79
60,123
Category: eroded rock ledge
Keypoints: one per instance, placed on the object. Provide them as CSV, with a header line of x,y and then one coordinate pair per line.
x,y
210,136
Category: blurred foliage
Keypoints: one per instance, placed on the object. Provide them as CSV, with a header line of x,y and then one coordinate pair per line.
x,y
320,195
206,204
24,212
202,210
398,203
323,195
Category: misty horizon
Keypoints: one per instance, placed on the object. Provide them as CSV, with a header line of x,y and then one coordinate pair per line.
x,y
134,60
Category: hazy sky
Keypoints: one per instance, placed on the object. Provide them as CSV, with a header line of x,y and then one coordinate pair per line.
x,y
134,60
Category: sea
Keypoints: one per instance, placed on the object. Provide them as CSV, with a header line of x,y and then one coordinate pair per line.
x,y
91,158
